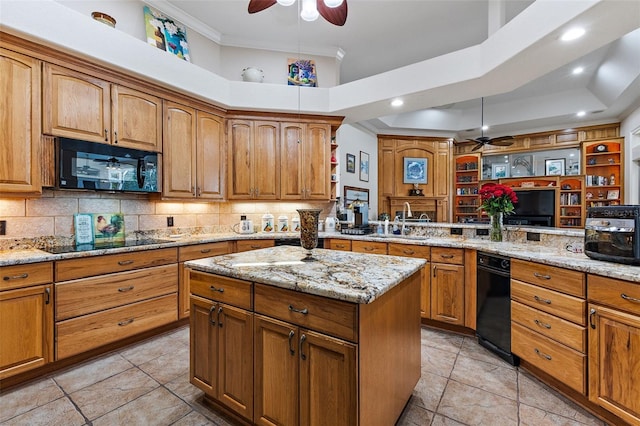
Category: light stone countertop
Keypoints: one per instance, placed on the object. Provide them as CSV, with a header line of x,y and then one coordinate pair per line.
x,y
353,277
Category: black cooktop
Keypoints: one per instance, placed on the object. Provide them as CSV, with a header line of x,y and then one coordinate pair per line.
x,y
102,246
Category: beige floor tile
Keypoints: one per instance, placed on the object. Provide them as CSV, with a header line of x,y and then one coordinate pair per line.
x,y
470,405
181,336
531,416
193,419
428,391
91,372
440,420
490,377
151,349
28,397
107,395
437,361
59,412
168,366
472,349
156,408
184,389
446,341
414,415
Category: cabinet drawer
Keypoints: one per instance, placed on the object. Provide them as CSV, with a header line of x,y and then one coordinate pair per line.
x,y
555,328
410,250
87,332
200,251
246,245
222,289
99,265
560,279
559,304
17,276
333,317
87,295
336,244
370,247
447,255
619,294
559,361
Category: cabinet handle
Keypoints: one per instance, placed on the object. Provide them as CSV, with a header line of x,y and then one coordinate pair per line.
x,y
47,294
544,277
220,289
592,316
205,251
211,310
15,277
115,136
446,256
106,135
340,246
125,262
629,298
541,300
193,190
198,191
541,324
304,311
125,289
369,249
302,339
125,322
434,270
291,350
543,355
218,317
408,252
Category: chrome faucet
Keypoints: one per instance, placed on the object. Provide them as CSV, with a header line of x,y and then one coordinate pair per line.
x,y
424,216
406,207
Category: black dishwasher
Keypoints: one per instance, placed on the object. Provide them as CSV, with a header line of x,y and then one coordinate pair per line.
x,y
493,320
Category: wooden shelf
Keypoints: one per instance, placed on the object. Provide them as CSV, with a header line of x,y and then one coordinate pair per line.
x,y
466,167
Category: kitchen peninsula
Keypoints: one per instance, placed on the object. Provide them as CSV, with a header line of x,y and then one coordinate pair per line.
x,y
275,340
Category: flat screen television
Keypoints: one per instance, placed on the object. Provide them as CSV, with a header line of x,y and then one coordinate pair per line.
x,y
534,207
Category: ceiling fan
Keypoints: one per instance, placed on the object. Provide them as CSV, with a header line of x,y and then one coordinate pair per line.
x,y
485,140
334,11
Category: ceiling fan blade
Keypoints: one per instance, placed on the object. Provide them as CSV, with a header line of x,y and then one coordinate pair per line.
x,y
335,15
477,147
260,5
502,141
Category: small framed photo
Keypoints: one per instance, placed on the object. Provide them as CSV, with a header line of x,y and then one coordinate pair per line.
x,y
554,167
83,226
415,170
499,171
613,194
364,166
351,163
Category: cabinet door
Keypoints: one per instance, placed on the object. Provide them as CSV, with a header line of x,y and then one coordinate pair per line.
x,y
179,151
210,156
317,160
26,324
328,388
614,359
137,119
447,293
292,159
19,123
266,160
240,137
235,359
276,372
203,363
76,105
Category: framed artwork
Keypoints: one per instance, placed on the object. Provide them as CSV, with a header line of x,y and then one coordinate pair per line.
x,y
83,226
364,166
554,167
415,170
301,72
166,33
499,171
352,193
108,227
351,163
613,194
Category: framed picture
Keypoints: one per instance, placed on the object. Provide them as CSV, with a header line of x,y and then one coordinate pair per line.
x,y
166,33
352,193
83,226
364,166
554,167
301,72
613,194
499,171
351,163
108,228
415,170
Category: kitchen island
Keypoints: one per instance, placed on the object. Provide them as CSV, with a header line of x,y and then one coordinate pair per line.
x,y
275,340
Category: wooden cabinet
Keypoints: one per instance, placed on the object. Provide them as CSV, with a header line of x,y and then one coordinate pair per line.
x,y
26,317
19,124
603,162
254,159
614,339
246,245
337,244
421,252
334,168
305,153
467,197
370,247
79,106
193,152
571,202
447,293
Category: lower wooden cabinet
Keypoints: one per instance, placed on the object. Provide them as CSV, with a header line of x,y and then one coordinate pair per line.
x,y
337,244
246,245
420,252
447,285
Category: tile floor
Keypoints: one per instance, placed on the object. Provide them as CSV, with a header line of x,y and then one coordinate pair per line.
x,y
148,384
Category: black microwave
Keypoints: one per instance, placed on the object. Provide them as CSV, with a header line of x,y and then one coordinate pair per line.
x,y
102,167
612,233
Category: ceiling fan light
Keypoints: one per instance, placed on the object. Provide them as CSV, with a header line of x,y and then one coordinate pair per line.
x,y
485,127
286,2
333,3
309,10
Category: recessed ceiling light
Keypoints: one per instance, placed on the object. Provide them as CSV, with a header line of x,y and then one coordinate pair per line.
x,y
397,102
572,34
581,113
578,70
485,127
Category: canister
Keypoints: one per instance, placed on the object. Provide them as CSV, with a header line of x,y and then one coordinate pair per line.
x,y
267,223
295,224
283,224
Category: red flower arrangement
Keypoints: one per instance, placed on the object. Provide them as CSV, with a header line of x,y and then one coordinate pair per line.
x,y
497,198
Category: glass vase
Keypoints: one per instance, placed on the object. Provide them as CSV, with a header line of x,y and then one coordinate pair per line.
x,y
495,232
309,231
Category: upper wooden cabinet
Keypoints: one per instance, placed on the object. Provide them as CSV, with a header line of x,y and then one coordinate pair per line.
x,y
306,152
254,159
19,123
79,106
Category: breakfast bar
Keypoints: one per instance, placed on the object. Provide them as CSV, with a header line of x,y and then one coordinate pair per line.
x,y
275,340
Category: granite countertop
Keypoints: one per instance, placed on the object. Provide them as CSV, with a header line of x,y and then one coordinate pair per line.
x,y
353,277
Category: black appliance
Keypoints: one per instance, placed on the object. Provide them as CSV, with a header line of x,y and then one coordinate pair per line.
x,y
493,319
612,233
102,167
295,242
535,207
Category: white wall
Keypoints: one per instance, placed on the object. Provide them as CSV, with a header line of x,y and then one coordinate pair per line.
x,y
630,129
